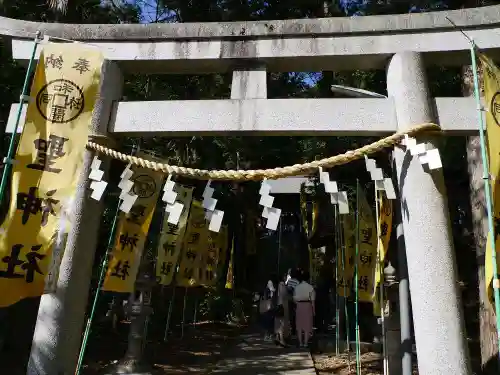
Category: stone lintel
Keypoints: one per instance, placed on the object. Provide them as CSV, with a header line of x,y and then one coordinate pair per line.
x,y
414,22
274,117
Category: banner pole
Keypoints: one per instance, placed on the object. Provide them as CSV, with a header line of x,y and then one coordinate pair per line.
x,y
104,266
346,310
195,312
184,311
487,191
22,100
381,283
99,285
337,310
358,349
279,248
170,308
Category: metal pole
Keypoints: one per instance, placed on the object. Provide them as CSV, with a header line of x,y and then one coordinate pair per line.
x,y
24,93
169,315
487,191
184,311
279,248
195,312
337,264
404,296
381,284
99,286
145,333
358,348
346,312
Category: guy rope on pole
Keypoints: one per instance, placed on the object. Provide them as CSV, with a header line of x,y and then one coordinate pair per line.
x,y
260,174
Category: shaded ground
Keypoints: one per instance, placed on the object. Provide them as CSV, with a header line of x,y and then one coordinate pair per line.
x,y
252,356
208,348
371,364
197,352
345,364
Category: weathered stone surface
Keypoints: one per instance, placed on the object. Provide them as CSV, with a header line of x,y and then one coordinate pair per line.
x,y
353,117
320,27
287,45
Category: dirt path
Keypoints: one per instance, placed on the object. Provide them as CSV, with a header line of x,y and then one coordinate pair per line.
x,y
198,351
371,364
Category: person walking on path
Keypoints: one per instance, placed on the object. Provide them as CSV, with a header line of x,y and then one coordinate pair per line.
x,y
291,282
267,306
304,297
282,318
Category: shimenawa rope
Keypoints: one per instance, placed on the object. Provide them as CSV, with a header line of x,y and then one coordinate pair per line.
x,y
260,174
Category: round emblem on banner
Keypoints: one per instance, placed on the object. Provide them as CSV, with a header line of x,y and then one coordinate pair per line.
x,y
60,101
495,107
144,186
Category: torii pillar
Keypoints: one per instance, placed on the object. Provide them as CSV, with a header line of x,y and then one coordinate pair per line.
x,y
438,317
58,331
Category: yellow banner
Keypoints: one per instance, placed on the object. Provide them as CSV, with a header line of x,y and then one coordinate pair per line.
x,y
367,250
230,268
315,255
172,238
385,229
47,165
213,259
492,98
194,247
203,251
305,225
132,231
345,263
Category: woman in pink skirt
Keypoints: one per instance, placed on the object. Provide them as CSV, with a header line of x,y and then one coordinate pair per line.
x,y
304,297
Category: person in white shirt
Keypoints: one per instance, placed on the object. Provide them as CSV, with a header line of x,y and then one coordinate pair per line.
x,y
291,280
304,296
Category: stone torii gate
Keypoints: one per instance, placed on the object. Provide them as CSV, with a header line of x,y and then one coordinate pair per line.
x,y
402,44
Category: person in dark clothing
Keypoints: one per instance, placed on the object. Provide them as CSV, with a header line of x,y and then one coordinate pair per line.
x,y
292,282
323,303
266,308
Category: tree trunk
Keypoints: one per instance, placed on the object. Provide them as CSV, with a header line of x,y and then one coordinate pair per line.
x,y
487,322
